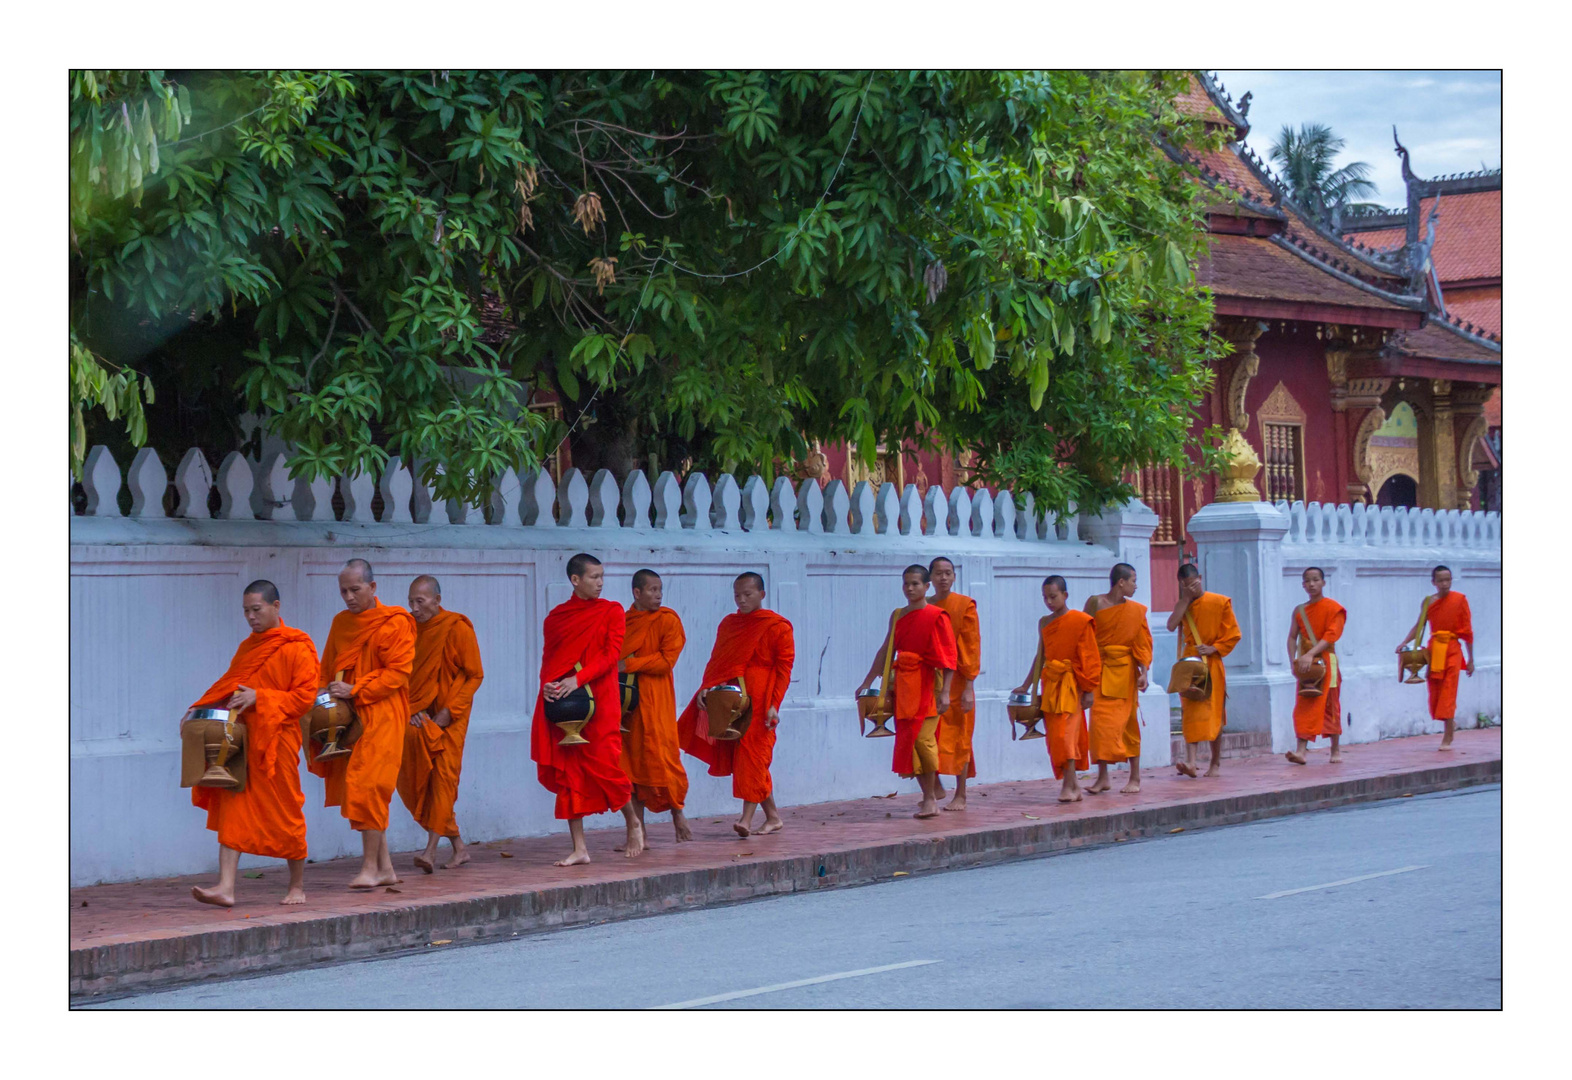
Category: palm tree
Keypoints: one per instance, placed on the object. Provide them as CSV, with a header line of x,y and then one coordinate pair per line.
x,y
1306,159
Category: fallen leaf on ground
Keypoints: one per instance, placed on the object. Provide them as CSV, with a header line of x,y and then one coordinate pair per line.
x,y
1179,829
506,854
252,874
740,854
1409,795
1034,817
900,873
892,794
1118,839
84,903
444,941
392,889
887,813
840,813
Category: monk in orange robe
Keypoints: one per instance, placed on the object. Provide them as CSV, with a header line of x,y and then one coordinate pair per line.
x,y
1124,641
1218,630
373,645
1070,669
441,690
583,641
756,644
1321,714
651,755
270,685
921,671
958,723
1451,627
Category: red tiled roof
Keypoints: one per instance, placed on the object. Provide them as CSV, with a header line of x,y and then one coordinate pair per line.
x,y
1434,341
1483,311
1468,235
1195,101
1256,268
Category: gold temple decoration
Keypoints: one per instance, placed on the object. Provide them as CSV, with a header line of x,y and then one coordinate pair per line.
x,y
1239,471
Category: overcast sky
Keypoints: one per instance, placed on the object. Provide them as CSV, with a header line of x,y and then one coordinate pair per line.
x,y
1449,120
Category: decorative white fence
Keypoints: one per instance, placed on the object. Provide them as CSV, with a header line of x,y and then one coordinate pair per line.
x,y
155,616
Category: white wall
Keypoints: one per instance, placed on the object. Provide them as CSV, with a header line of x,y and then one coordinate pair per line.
x,y
155,618
1377,564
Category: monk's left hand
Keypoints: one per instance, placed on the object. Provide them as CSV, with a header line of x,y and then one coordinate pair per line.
x,y
941,702
1086,700
772,718
1142,683
418,719
968,699
1205,650
341,690
1470,668
242,699
442,718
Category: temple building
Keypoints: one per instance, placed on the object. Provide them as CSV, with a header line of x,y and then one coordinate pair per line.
x,y
1351,377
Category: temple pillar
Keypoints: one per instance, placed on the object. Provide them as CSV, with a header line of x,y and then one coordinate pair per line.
x,y
1438,450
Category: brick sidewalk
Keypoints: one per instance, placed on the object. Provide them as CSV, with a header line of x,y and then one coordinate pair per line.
x,y
151,933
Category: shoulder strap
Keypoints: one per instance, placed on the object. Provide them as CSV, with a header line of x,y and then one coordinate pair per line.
x,y
1037,665
1304,624
889,658
1419,627
1195,635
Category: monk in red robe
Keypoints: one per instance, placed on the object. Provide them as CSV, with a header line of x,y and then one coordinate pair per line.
x,y
582,640
269,686
920,673
651,755
442,688
1451,627
1070,670
366,661
1313,630
1124,641
757,645
1214,637
957,725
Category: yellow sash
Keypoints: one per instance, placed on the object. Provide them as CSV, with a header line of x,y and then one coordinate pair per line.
x,y
1307,642
1118,679
1059,692
1440,641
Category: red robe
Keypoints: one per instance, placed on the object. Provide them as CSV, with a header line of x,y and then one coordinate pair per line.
x,y
375,650
585,777
1071,666
1450,623
1323,715
268,817
924,644
759,647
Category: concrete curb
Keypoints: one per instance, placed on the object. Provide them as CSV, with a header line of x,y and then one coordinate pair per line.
x,y
169,961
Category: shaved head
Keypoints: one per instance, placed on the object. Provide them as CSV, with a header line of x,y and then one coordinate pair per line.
x,y
641,578
363,568
265,589
429,583
757,580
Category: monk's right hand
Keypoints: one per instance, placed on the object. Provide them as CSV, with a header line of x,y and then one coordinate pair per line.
x,y
341,690
189,714
418,719
1205,650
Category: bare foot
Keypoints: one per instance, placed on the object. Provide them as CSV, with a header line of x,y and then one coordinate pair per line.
x,y
633,846
1067,796
1186,769
294,896
1294,757
1336,758
214,896
1132,788
771,825
1213,770
927,809
424,862
680,824
956,803
739,828
456,861
578,858
367,880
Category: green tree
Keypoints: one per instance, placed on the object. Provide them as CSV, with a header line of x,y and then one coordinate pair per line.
x,y
1308,160
706,266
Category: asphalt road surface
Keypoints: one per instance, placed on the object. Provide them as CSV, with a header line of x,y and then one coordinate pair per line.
x,y
1388,905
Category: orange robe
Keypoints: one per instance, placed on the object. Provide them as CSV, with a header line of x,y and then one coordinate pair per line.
x,y
1450,623
267,818
924,646
1123,641
957,725
760,648
446,675
1214,619
375,650
585,777
1071,667
1321,715
650,754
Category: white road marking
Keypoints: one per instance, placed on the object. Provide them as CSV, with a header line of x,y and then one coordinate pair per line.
x,y
1345,881
735,994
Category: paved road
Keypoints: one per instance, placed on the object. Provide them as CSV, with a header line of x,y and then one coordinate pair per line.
x,y
1207,919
